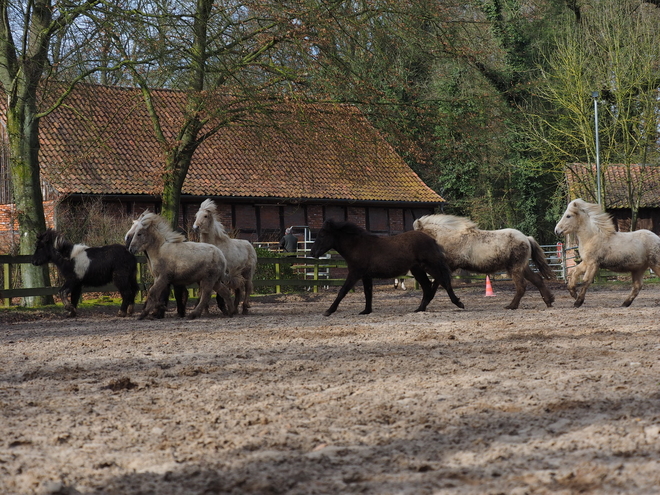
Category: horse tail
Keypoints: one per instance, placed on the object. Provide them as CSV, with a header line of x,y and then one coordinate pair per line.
x,y
538,257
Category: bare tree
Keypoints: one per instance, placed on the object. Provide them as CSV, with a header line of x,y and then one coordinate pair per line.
x,y
26,31
611,49
227,58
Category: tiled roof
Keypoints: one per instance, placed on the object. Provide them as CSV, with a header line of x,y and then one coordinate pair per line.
x,y
102,142
581,179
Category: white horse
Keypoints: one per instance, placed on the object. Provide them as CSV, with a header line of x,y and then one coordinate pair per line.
x,y
240,254
180,291
601,246
489,251
173,261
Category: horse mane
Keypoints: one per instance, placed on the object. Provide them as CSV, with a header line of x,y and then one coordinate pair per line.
x,y
345,227
63,247
153,221
209,206
600,219
441,221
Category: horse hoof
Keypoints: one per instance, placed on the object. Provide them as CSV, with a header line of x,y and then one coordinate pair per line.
x,y
577,304
460,305
142,316
121,314
327,313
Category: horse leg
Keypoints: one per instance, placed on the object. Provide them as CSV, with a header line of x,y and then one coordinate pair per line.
x,y
204,298
348,285
537,280
127,292
368,284
442,276
64,292
154,296
428,289
161,306
76,291
521,288
573,278
181,297
588,278
134,288
637,277
249,287
238,295
223,298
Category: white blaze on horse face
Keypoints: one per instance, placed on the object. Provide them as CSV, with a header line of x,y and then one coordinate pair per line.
x,y
80,260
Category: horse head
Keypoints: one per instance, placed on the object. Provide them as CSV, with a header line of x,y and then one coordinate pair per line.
x,y
48,247
576,214
204,217
128,237
138,237
325,239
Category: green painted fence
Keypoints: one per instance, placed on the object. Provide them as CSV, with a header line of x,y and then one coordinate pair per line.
x,y
311,273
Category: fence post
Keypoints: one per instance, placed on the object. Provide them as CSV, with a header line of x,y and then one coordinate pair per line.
x,y
278,288
316,277
6,269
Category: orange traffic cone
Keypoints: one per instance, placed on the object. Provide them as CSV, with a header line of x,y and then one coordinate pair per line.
x,y
489,287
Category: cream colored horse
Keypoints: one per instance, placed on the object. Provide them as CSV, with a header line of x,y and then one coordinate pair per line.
x,y
173,261
601,246
489,251
240,254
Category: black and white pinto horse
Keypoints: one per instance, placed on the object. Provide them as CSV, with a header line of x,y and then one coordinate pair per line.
x,y
81,265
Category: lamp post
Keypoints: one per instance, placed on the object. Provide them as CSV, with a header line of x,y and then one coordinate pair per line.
x,y
594,95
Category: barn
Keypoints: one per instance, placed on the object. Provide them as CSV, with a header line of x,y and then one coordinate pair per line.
x,y
293,164
615,181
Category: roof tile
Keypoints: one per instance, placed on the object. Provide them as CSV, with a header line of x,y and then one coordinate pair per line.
x,y
102,142
581,179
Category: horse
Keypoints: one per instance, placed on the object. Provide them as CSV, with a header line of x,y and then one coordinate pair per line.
x,y
369,256
176,262
601,246
81,265
180,291
240,254
488,251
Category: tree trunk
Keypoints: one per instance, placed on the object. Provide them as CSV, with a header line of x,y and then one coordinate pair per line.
x,y
177,165
23,131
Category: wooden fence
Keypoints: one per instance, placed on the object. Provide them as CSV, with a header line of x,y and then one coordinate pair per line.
x,y
308,272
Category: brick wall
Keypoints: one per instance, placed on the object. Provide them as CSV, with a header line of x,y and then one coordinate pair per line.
x,y
9,225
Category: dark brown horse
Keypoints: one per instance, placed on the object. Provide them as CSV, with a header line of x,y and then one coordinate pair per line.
x,y
369,256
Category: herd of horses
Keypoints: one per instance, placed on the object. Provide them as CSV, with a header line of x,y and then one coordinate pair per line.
x,y
438,245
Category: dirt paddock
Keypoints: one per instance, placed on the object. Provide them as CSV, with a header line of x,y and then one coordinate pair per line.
x,y
286,401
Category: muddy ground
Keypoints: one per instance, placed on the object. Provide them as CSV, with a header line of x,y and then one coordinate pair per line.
x,y
286,401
